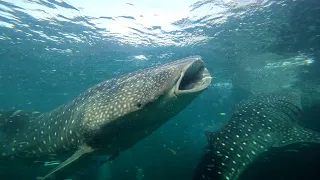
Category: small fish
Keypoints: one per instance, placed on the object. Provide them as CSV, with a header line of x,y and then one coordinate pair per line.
x,y
52,163
172,151
257,125
16,113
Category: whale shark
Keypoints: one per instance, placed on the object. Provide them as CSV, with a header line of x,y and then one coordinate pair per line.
x,y
258,124
106,119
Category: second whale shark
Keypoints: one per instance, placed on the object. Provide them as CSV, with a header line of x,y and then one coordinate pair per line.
x,y
257,124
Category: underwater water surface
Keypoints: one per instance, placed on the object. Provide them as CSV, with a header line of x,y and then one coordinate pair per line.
x,y
52,50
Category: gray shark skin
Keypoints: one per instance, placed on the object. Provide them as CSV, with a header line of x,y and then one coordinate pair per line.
x,y
258,124
108,118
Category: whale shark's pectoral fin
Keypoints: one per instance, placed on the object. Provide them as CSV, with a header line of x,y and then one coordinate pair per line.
x,y
298,134
84,149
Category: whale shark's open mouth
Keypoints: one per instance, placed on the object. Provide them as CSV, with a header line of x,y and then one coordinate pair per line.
x,y
194,78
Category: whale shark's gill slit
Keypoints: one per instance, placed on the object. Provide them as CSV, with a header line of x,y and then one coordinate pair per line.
x,y
191,77
278,110
294,108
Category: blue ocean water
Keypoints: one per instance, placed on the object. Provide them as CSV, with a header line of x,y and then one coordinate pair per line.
x,y
52,50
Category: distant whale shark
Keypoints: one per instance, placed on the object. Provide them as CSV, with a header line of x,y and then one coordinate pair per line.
x,y
108,118
259,123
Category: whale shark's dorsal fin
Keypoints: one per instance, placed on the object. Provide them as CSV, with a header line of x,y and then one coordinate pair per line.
x,y
84,149
13,121
298,134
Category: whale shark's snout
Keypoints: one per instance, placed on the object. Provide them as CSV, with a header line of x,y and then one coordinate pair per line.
x,y
194,77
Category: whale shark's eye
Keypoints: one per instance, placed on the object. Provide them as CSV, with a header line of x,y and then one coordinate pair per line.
x,y
139,105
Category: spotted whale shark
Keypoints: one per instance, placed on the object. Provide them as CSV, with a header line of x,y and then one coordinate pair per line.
x,y
108,118
259,123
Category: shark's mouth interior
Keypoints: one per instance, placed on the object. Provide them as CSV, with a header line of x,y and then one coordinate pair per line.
x,y
195,78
